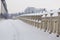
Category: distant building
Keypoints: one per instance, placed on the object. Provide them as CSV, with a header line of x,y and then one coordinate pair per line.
x,y
34,10
30,10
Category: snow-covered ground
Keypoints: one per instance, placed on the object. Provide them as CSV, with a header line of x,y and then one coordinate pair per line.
x,y
18,30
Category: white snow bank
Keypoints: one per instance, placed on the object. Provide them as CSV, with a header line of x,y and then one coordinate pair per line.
x,y
18,30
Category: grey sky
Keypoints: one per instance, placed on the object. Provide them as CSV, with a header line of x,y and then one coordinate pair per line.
x,y
20,5
0,6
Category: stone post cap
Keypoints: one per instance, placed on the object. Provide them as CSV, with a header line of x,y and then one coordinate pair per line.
x,y
59,13
41,15
51,14
46,14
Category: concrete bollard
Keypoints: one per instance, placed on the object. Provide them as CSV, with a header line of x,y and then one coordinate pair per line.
x,y
58,30
48,25
55,26
45,24
41,22
51,24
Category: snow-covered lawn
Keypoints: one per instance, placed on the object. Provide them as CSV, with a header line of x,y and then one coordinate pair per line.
x,y
18,30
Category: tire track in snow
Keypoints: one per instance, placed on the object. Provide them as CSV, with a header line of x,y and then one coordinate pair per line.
x,y
16,37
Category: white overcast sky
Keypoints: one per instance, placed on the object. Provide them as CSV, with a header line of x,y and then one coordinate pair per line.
x,y
20,5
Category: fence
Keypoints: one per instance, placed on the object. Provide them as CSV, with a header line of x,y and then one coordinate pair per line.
x,y
50,23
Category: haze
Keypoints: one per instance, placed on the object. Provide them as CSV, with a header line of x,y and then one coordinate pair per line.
x,y
15,6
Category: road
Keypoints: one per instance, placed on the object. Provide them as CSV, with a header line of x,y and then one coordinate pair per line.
x,y
18,30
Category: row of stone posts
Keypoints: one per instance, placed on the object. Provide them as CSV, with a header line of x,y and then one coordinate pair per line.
x,y
50,24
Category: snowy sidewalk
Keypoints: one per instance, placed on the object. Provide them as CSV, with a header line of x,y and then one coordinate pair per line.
x,y
18,30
